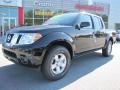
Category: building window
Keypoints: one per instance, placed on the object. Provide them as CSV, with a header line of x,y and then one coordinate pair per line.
x,y
38,13
106,25
8,19
4,12
28,12
48,13
38,21
13,12
28,22
105,19
117,26
36,16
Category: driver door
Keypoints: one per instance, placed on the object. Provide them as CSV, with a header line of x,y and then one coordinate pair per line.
x,y
84,36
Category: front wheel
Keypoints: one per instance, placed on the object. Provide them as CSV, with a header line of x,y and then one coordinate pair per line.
x,y
56,63
107,51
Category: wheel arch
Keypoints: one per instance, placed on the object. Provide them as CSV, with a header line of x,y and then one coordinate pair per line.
x,y
54,39
65,44
107,40
111,39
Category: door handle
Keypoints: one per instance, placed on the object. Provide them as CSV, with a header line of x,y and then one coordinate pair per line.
x,y
92,35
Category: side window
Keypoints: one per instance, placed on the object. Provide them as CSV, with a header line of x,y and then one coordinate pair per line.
x,y
97,23
86,18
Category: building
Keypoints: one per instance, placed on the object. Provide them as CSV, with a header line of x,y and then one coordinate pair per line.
x,y
15,13
114,16
10,14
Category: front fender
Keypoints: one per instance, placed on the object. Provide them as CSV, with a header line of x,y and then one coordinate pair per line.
x,y
53,37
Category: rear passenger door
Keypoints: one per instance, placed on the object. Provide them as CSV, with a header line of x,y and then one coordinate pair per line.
x,y
99,31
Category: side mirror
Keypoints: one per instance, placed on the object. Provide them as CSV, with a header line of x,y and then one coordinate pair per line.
x,y
77,26
84,24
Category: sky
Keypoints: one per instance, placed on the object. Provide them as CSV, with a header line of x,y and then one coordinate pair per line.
x,y
90,2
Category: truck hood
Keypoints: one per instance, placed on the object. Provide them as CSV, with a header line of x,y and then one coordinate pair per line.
x,y
39,29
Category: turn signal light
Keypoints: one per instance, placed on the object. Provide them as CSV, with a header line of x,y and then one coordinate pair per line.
x,y
37,36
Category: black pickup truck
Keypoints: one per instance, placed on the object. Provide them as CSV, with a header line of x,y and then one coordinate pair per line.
x,y
53,44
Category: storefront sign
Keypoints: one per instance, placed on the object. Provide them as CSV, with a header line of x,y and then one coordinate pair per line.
x,y
17,3
89,7
43,4
40,13
97,8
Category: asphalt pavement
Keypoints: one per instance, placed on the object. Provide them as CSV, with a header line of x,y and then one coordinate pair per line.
x,y
89,72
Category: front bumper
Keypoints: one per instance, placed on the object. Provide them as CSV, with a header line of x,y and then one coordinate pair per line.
x,y
32,58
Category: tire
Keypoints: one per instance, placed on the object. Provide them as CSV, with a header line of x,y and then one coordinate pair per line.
x,y
56,63
107,51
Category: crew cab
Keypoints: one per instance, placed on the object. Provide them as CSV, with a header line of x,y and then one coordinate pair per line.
x,y
53,44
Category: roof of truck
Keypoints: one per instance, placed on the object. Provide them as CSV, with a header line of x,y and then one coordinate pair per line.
x,y
82,13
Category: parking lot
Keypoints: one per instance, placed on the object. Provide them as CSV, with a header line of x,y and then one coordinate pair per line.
x,y
89,72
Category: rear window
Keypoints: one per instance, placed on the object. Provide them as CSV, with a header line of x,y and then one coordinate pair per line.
x,y
97,23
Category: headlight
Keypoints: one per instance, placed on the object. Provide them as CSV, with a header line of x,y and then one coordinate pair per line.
x,y
29,38
25,38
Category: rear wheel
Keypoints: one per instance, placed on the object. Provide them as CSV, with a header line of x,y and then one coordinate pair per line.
x,y
107,51
56,63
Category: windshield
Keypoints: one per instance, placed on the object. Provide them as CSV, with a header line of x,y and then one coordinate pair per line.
x,y
65,19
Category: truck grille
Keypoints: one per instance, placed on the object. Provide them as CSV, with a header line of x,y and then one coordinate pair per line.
x,y
11,54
